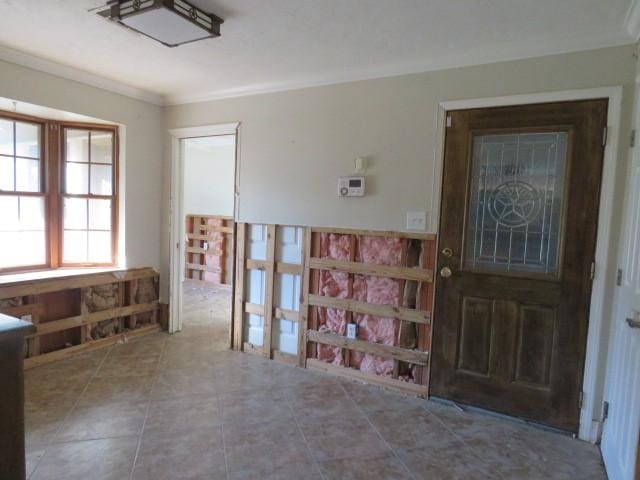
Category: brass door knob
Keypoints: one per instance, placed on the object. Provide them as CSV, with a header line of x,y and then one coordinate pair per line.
x,y
447,252
445,272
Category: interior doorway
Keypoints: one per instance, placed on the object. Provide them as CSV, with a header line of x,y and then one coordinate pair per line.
x,y
517,243
208,202
203,210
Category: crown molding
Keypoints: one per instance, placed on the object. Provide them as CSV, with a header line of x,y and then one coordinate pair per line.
x,y
632,20
503,53
71,73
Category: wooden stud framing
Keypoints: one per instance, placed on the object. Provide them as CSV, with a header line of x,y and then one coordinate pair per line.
x,y
268,287
239,305
304,300
198,231
41,299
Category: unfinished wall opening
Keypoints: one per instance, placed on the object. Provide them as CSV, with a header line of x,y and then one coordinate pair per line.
x,y
208,204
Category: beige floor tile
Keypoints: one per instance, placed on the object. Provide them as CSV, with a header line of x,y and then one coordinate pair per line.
x,y
106,459
378,468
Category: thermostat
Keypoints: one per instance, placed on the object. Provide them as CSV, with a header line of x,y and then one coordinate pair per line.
x,y
351,186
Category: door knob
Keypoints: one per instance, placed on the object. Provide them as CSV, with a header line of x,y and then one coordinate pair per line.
x,y
445,272
447,252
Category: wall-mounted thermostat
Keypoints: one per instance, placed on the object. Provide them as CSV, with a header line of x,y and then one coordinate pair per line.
x,y
351,186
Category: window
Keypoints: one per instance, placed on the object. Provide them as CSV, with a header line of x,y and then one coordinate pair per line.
x,y
58,194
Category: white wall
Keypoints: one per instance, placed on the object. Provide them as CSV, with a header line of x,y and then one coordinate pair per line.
x,y
143,161
209,171
294,144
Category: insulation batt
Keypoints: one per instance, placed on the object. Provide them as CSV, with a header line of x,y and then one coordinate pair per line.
x,y
370,289
215,244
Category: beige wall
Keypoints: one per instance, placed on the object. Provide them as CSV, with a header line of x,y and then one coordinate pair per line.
x,y
209,175
143,162
293,145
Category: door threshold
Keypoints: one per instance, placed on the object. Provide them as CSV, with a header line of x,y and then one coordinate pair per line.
x,y
463,407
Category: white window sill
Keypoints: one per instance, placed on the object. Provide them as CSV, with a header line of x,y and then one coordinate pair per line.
x,y
57,273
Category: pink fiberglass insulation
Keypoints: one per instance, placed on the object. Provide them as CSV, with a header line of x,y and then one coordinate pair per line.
x,y
370,289
379,291
216,245
333,284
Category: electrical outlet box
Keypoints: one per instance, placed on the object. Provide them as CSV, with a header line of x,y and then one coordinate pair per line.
x,y
351,186
417,221
352,330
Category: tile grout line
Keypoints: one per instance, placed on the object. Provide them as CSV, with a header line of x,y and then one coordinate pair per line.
x,y
73,407
224,443
384,440
146,413
304,438
459,438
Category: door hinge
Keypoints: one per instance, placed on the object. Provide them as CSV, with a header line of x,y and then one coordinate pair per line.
x,y
605,130
449,121
580,400
632,140
619,277
592,271
605,411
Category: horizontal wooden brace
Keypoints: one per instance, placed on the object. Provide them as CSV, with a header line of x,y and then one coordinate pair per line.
x,y
380,380
388,311
204,268
89,318
254,308
375,233
289,268
214,217
22,310
283,314
403,273
198,236
211,251
46,285
252,264
388,351
90,345
216,229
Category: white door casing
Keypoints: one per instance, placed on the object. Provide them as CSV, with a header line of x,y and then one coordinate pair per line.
x,y
622,390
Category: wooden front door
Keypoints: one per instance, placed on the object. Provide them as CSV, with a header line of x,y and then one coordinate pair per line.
x,y
518,221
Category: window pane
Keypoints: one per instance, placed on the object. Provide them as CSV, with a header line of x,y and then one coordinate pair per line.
x,y
99,214
6,173
22,235
100,247
101,147
27,140
9,220
75,213
32,213
77,178
27,175
77,145
32,248
6,137
101,180
75,247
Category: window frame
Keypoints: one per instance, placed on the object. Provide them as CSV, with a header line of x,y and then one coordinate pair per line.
x,y
52,171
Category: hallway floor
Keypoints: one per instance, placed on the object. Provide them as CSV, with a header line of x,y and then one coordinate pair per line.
x,y
185,407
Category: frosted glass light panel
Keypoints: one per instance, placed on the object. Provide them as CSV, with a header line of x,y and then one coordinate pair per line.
x,y
20,152
22,231
516,203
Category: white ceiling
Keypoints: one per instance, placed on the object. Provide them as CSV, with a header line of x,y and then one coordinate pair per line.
x,y
269,45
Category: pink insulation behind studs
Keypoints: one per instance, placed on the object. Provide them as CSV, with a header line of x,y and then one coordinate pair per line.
x,y
216,244
370,289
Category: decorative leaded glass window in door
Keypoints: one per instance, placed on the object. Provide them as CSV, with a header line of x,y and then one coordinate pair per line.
x,y
516,202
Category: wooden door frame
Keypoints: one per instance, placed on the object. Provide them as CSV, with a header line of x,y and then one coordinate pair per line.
x,y
605,259
177,226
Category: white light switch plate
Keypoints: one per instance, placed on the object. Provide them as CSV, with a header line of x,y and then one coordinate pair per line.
x,y
417,221
352,330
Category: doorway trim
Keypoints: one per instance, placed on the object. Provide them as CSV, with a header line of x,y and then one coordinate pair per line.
x,y
176,208
605,262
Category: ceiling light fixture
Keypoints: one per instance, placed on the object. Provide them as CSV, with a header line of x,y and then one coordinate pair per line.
x,y
170,22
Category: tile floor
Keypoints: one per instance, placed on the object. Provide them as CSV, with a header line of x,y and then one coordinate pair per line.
x,y
184,407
